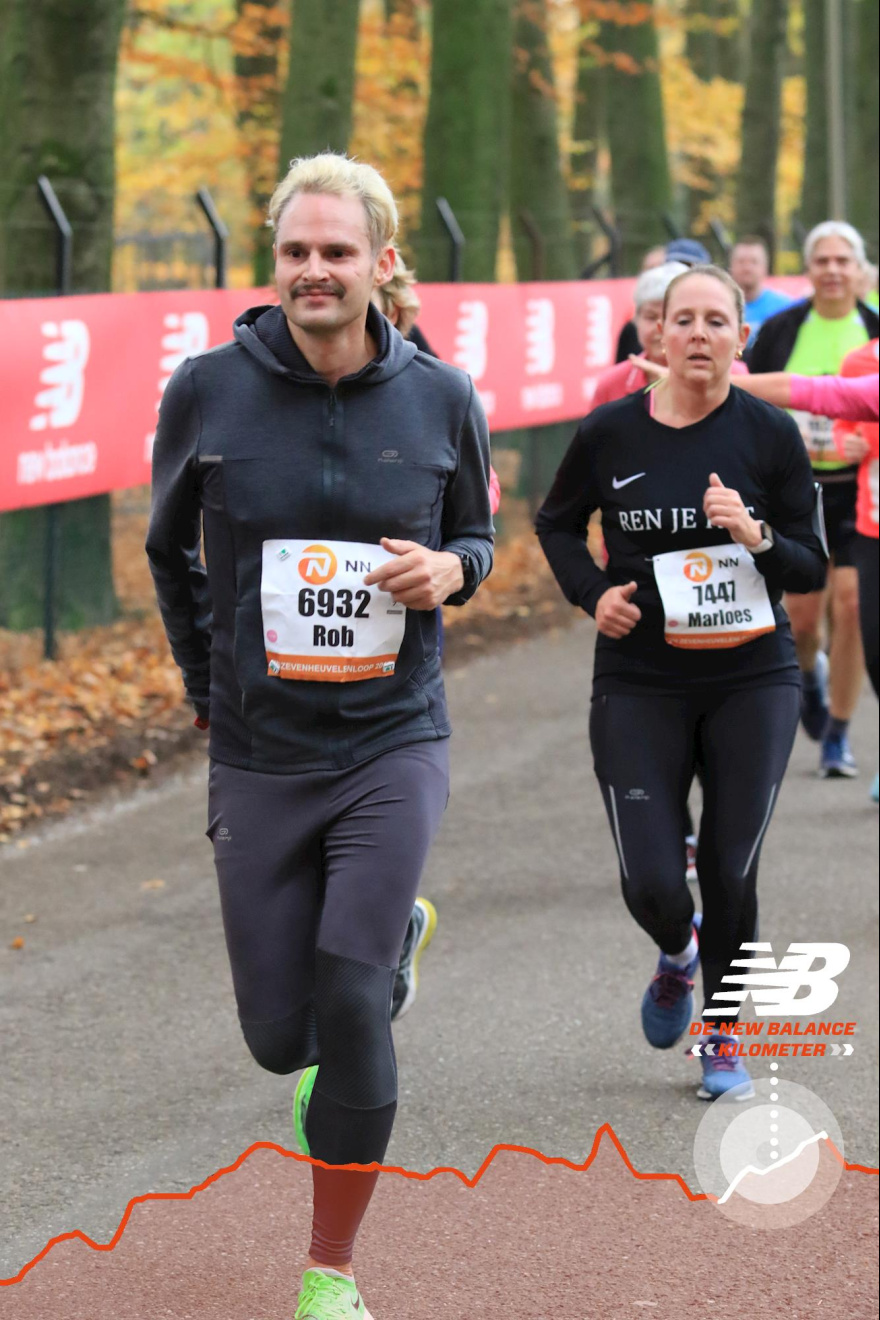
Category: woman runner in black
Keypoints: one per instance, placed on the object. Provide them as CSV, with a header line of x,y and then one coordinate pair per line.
x,y
709,514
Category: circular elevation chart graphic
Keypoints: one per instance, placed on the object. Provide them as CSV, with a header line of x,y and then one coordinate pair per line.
x,y
772,1160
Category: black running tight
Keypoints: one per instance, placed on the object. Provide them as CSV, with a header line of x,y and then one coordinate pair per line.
x,y
646,751
318,874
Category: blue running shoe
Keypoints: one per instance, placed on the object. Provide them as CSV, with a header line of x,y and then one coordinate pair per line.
x,y
837,760
722,1072
814,700
668,1002
875,789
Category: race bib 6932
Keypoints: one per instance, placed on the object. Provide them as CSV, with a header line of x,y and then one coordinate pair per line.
x,y
320,623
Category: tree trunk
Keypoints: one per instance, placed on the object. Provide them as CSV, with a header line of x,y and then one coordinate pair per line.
x,y
537,187
636,132
701,40
57,79
587,134
317,106
815,188
406,8
756,187
731,44
257,37
864,124
467,134
701,51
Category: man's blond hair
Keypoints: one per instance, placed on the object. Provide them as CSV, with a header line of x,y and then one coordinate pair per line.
x,y
340,176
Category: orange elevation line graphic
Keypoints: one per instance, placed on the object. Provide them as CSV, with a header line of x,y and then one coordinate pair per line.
x,y
606,1130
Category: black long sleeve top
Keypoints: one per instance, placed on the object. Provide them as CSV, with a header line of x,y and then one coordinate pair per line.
x,y
649,481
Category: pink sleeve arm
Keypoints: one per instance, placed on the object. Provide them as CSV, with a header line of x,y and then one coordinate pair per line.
x,y
851,398
494,491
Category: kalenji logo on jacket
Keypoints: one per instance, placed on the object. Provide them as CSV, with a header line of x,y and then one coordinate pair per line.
x,y
188,335
317,565
67,354
774,987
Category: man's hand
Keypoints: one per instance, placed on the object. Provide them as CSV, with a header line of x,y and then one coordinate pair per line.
x,y
616,616
419,578
854,447
724,508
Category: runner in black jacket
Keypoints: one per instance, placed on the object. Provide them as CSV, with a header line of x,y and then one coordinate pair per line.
x,y
709,514
342,478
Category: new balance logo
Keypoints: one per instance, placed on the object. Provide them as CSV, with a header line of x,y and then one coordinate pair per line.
x,y
188,334
67,354
471,335
598,350
774,987
540,336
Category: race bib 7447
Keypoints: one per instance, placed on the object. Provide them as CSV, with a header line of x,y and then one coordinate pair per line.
x,y
320,623
712,597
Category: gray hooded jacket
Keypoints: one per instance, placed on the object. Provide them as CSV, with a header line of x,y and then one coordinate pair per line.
x,y
254,445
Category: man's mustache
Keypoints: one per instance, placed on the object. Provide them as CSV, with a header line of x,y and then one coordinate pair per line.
x,y
303,290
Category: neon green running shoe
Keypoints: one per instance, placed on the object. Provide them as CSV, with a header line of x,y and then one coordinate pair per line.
x,y
301,1097
328,1295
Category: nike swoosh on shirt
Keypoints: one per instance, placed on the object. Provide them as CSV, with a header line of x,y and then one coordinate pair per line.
x,y
618,484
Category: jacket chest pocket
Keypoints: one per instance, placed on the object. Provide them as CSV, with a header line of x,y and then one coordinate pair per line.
x,y
409,500
263,493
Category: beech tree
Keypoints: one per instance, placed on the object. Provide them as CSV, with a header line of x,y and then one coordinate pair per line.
x,y
537,186
761,121
587,135
318,97
815,189
467,134
635,127
57,78
256,42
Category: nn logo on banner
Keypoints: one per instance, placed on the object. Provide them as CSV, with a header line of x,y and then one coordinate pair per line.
x,y
775,987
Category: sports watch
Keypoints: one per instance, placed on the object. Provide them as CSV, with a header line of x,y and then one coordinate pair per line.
x,y
766,541
468,570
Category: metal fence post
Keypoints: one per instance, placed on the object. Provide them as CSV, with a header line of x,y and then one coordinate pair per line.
x,y
456,237
722,238
670,226
63,257
536,242
221,235
612,233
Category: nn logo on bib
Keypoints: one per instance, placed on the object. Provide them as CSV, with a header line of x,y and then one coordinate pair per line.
x,y
317,565
697,566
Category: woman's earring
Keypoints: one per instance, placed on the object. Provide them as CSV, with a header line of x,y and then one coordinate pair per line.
x,y
739,354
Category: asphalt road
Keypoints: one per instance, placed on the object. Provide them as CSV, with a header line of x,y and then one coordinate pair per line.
x,y
121,1066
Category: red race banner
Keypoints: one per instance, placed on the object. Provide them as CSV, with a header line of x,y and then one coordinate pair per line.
x,y
81,378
